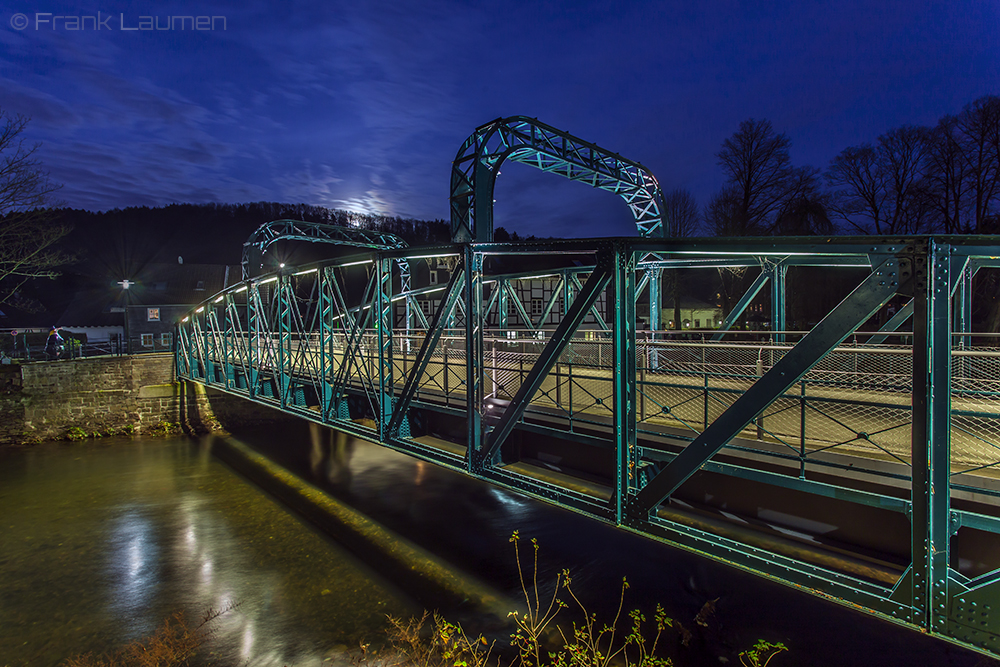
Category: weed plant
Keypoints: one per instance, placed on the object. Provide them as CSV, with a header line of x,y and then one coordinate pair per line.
x,y
174,644
538,640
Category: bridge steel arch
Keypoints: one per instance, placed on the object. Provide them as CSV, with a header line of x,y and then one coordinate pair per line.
x,y
530,141
315,232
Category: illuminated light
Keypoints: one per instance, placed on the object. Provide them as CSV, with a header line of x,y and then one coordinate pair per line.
x,y
242,288
218,299
281,266
185,319
364,261
200,309
550,275
450,254
302,273
268,280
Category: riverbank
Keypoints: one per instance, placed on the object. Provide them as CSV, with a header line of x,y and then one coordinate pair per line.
x,y
99,397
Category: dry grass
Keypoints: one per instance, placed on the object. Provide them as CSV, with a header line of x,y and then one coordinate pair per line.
x,y
174,644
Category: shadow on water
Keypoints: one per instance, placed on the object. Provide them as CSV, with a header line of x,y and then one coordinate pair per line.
x,y
468,523
102,541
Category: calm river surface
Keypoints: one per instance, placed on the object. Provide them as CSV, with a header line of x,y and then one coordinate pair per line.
x,y
101,541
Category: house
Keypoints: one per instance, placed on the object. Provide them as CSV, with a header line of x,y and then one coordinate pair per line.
x,y
695,314
158,295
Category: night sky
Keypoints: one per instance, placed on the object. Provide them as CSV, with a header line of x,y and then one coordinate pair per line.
x,y
363,105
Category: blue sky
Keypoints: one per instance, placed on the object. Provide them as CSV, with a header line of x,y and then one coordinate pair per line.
x,y
363,105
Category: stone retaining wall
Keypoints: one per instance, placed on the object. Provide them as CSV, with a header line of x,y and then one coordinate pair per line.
x,y
111,395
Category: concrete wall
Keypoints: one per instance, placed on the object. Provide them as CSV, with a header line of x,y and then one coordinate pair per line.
x,y
111,395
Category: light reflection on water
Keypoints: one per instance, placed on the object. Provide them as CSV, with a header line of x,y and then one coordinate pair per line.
x,y
103,541
468,523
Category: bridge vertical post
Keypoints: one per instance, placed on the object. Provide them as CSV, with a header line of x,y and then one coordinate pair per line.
x,y
228,342
624,389
404,288
931,435
210,347
474,355
502,305
253,345
654,298
778,275
383,305
655,322
283,374
326,358
963,311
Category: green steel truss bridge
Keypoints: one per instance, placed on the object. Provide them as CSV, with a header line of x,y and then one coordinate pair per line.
x,y
861,466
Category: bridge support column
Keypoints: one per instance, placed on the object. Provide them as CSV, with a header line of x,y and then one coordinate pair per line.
x,y
473,356
502,305
326,357
931,435
383,322
624,378
283,375
778,273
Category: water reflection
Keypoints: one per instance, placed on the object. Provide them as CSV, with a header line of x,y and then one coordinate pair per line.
x,y
103,541
467,523
132,561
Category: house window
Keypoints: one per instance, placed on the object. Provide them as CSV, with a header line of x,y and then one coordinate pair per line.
x,y
166,339
152,314
697,324
425,307
536,307
147,340
434,277
200,287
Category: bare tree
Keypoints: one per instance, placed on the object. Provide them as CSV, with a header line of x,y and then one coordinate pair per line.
x,y
761,181
882,187
681,209
28,237
979,124
947,178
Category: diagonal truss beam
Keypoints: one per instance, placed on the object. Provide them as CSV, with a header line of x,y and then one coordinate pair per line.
x,y
893,324
742,304
434,332
574,317
880,286
601,324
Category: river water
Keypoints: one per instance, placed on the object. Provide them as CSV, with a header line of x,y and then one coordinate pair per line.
x,y
103,540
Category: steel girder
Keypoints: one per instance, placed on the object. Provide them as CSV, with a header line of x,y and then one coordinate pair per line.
x,y
314,232
261,336
532,142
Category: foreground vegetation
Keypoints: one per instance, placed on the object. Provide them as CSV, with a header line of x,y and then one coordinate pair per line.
x,y
539,638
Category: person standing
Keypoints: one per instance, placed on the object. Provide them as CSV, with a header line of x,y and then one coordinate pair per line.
x,y
53,344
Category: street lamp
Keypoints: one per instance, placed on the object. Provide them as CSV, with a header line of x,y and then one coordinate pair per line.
x,y
125,285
